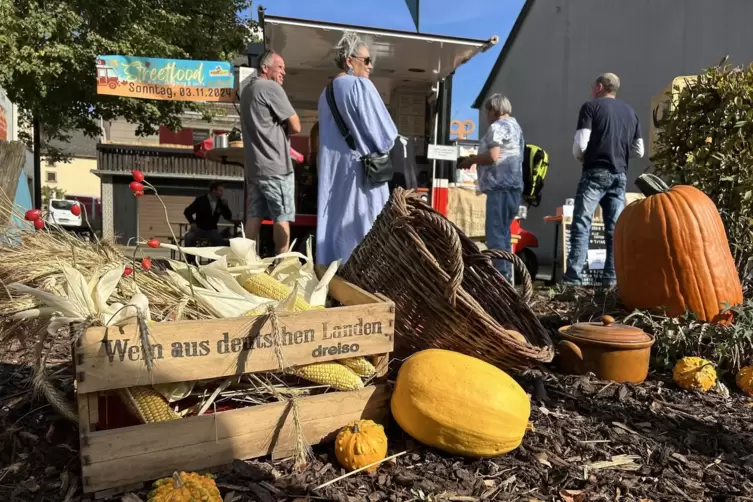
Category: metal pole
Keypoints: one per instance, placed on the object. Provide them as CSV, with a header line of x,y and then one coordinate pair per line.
x,y
37,163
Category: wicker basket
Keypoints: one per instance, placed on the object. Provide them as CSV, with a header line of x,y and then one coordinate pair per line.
x,y
447,292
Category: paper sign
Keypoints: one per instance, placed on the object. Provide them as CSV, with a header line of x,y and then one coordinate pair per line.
x,y
442,152
597,258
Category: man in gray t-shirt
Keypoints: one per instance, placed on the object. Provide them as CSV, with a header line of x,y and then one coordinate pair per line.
x,y
267,118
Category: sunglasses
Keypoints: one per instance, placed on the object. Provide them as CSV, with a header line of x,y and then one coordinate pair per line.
x,y
366,60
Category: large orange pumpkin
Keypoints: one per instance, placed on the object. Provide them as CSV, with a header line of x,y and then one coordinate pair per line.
x,y
671,250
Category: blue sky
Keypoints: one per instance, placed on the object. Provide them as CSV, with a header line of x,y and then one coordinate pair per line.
x,y
460,18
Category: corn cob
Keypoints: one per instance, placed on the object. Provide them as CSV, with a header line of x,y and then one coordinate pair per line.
x,y
360,366
335,375
147,404
255,312
266,286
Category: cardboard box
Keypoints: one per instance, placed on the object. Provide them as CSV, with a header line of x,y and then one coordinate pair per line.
x,y
467,210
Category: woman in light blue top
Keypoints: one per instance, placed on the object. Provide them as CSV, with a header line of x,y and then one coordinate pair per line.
x,y
499,165
348,202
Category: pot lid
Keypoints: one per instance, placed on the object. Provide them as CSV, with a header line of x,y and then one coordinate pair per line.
x,y
606,331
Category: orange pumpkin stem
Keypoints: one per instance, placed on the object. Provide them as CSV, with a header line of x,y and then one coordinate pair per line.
x,y
177,481
650,184
356,429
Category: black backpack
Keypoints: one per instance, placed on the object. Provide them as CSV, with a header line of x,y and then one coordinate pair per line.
x,y
535,165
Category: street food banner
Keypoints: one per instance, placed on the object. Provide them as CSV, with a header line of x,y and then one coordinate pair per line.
x,y
167,79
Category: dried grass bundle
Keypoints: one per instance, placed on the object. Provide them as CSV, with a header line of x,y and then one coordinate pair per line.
x,y
35,258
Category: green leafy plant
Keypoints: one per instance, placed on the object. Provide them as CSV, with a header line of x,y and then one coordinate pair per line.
x,y
728,347
706,140
51,193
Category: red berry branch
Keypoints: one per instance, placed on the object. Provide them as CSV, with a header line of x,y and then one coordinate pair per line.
x,y
138,186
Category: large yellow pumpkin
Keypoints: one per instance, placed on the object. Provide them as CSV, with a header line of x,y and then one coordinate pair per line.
x,y
671,250
460,404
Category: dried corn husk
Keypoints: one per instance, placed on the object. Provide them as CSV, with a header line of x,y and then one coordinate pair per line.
x,y
175,391
225,304
313,290
82,299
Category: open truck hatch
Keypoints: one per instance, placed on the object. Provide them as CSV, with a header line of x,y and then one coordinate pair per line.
x,y
401,59
412,72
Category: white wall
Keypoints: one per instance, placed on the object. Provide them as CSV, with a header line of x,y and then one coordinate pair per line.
x,y
565,44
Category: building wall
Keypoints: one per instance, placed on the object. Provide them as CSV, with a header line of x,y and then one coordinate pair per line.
x,y
124,211
194,129
565,44
125,205
122,132
75,177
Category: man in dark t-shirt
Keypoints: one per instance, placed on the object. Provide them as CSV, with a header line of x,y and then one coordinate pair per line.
x,y
608,134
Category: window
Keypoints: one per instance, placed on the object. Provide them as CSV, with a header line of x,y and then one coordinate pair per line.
x,y
181,137
200,135
52,176
63,205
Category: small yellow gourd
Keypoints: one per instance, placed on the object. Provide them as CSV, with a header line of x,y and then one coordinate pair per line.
x,y
744,379
694,373
460,404
185,487
359,444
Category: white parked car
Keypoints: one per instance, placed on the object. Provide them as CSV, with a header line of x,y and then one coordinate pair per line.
x,y
59,213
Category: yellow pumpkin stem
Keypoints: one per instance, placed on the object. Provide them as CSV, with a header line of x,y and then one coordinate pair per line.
x,y
356,430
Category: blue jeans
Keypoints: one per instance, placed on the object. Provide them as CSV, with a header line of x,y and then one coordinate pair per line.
x,y
596,186
501,207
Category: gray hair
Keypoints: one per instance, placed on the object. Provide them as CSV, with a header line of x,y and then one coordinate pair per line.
x,y
265,59
499,104
610,81
347,47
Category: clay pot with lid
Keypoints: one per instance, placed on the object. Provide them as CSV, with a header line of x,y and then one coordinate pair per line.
x,y
607,349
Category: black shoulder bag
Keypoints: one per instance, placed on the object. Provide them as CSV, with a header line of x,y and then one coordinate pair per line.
x,y
377,165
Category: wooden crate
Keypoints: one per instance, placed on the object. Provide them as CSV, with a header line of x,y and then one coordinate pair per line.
x,y
105,360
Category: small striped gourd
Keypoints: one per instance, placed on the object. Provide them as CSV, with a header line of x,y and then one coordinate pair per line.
x,y
185,487
694,373
359,444
744,379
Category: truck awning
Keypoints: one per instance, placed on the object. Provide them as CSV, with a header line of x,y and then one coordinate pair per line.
x,y
399,56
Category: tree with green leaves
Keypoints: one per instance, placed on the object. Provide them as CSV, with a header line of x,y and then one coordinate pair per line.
x,y
706,140
49,48
51,193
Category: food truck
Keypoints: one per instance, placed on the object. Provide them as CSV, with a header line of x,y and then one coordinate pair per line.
x,y
413,73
